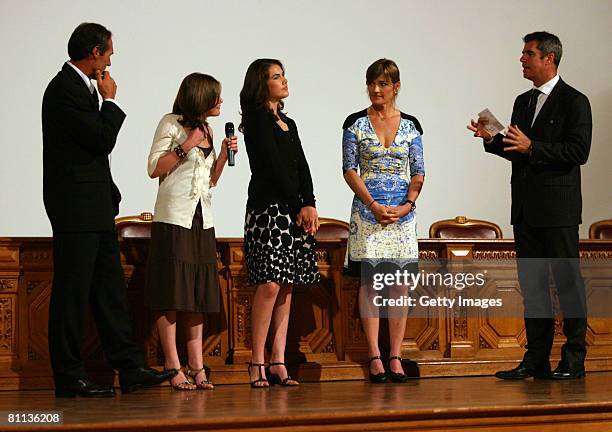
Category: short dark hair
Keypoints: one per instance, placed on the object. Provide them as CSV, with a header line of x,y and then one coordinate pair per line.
x,y
85,38
254,94
547,43
387,68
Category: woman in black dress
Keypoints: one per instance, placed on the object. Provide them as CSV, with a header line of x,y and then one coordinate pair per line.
x,y
281,217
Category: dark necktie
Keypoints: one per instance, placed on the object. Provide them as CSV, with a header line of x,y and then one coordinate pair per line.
x,y
95,96
531,106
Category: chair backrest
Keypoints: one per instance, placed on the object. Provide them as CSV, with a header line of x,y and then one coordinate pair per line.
x,y
134,226
332,229
140,227
462,227
601,230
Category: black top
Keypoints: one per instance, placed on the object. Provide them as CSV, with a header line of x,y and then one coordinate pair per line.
x,y
279,171
352,118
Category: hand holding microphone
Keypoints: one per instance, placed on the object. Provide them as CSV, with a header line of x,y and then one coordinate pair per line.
x,y
231,143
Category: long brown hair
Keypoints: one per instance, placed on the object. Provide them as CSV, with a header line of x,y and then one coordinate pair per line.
x,y
254,94
197,94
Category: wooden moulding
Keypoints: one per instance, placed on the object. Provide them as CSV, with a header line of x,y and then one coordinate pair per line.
x,y
325,340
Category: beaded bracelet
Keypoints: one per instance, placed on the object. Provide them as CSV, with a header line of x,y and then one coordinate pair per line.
x,y
180,152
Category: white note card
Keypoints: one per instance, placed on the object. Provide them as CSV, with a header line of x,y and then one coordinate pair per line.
x,y
493,125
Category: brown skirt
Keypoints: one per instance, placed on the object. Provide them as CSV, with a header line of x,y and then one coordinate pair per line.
x,y
182,268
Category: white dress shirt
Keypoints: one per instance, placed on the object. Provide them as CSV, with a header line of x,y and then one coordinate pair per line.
x,y
187,183
545,90
89,84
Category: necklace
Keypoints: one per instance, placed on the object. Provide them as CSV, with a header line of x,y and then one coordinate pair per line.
x,y
380,115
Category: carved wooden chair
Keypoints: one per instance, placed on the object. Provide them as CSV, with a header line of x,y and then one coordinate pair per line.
x,y
134,226
332,229
601,230
462,227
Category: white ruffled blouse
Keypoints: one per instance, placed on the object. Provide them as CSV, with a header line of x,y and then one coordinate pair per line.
x,y
187,183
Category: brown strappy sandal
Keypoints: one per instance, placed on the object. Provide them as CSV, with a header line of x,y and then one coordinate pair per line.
x,y
202,385
182,386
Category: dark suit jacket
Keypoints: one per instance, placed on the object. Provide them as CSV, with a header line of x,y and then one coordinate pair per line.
x,y
546,189
78,190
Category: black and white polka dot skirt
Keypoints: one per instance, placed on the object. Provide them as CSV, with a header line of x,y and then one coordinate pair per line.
x,y
276,249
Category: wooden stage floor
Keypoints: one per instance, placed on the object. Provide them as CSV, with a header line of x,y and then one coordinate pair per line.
x,y
429,404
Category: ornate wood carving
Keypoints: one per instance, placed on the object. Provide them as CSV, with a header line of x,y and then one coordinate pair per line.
x,y
482,343
34,256
435,345
494,254
598,255
7,314
216,351
329,348
428,254
243,318
322,256
8,284
326,324
460,324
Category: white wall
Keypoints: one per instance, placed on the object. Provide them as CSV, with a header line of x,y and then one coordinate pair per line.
x,y
455,59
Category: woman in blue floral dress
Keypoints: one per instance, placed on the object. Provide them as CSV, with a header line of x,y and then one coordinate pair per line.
x,y
385,145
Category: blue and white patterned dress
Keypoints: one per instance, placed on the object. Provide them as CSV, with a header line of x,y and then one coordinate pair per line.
x,y
386,173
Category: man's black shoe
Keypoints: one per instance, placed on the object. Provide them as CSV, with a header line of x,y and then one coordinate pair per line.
x,y
85,388
523,371
134,379
564,372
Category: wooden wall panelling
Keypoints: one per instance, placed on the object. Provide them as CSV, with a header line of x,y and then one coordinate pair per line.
x,y
326,337
597,274
9,308
240,298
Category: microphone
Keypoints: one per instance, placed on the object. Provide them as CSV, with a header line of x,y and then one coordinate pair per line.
x,y
229,132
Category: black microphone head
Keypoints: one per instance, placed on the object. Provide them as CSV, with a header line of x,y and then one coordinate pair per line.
x,y
229,129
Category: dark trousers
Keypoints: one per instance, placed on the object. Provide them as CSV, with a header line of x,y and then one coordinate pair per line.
x,y
87,273
540,251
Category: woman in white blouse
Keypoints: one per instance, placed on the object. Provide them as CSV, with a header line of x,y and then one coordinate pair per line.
x,y
182,269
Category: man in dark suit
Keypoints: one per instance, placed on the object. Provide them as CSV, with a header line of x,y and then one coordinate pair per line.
x,y
547,141
82,201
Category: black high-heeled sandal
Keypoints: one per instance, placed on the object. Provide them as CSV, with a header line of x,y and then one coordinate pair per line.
x,y
379,378
193,373
397,377
276,379
261,378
